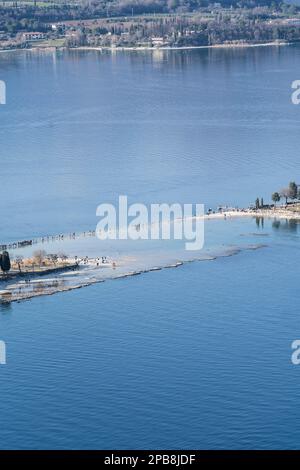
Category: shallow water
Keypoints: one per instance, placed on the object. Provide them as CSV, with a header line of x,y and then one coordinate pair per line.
x,y
193,357
79,129
223,238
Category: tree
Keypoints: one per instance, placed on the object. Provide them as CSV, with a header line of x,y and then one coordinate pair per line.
x,y
19,261
53,258
39,256
5,262
293,188
286,193
257,203
275,198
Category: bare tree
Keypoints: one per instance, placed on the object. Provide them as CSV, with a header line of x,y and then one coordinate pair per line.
x,y
19,261
53,258
286,193
39,256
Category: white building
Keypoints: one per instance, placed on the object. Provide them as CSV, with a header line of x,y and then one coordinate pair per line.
x,y
157,41
33,36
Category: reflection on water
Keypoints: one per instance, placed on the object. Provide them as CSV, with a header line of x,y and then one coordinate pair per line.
x,y
289,225
6,308
260,222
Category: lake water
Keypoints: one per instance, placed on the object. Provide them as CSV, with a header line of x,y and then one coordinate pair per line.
x,y
193,357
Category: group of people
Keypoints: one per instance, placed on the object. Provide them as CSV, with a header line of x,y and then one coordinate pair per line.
x,y
46,239
99,261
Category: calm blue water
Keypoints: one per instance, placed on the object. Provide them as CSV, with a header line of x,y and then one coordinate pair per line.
x,y
194,357
79,129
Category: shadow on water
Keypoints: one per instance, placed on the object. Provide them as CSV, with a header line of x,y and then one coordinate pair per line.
x,y
5,308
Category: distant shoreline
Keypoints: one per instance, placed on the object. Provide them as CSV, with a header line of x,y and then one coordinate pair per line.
x,y
182,48
278,213
148,48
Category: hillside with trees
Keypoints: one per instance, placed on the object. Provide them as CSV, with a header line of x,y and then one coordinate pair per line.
x,y
134,23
